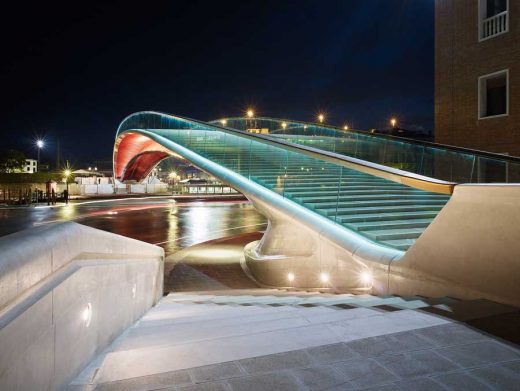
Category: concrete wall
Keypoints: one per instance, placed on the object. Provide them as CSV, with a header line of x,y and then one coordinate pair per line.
x,y
66,292
471,250
459,60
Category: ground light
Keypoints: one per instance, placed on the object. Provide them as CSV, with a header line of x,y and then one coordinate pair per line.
x,y
366,277
87,315
324,277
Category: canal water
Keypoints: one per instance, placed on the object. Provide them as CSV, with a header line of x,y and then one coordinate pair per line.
x,y
162,221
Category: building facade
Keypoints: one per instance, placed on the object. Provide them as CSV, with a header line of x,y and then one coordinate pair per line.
x,y
477,74
30,167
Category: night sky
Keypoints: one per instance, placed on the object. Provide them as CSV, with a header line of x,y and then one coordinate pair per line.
x,y
73,71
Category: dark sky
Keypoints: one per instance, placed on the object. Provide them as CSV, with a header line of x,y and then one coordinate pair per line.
x,y
73,71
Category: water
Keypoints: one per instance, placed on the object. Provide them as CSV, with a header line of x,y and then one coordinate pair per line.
x,y
172,225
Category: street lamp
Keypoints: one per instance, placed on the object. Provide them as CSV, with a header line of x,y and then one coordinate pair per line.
x,y
284,125
67,173
345,127
393,122
250,113
321,118
223,122
39,144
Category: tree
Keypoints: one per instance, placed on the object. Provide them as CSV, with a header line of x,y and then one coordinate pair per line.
x,y
11,160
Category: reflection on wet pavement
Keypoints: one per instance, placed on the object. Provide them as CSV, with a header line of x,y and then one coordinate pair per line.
x,y
172,225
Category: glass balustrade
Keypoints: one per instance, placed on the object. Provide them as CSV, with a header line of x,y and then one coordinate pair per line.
x,y
428,159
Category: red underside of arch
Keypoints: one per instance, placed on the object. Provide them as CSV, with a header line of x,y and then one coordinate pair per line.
x,y
135,155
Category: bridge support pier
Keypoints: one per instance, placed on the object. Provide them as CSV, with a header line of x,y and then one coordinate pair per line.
x,y
293,255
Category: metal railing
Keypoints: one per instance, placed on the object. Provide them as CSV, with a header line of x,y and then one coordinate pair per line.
x,y
494,25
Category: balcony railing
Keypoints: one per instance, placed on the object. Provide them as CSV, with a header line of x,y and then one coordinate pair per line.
x,y
494,25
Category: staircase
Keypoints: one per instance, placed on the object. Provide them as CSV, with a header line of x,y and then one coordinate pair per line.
x,y
386,212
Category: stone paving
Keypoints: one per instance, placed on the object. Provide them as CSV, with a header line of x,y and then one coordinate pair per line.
x,y
444,357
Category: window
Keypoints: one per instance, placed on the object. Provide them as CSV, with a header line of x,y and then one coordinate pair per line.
x,y
493,94
493,18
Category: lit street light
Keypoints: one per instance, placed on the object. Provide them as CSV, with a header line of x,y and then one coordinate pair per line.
x,y
393,122
250,113
39,144
223,122
321,118
284,125
345,127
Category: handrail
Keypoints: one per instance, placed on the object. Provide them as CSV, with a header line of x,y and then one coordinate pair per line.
x,y
393,174
493,155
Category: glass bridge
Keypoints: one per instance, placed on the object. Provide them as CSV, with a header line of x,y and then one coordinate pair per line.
x,y
385,189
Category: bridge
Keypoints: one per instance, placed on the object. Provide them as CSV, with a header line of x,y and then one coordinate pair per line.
x,y
350,210
377,248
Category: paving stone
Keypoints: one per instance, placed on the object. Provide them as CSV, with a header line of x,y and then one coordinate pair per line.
x,y
323,377
450,334
365,373
513,366
424,384
216,372
388,387
279,381
389,344
213,386
415,364
331,353
289,360
498,376
478,353
461,381
145,383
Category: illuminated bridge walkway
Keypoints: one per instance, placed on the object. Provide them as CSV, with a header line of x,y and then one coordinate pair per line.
x,y
345,203
386,212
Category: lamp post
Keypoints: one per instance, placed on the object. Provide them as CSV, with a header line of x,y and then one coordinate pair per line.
x,y
39,144
67,173
393,122
321,118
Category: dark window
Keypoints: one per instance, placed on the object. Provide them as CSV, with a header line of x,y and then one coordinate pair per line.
x,y
496,96
494,7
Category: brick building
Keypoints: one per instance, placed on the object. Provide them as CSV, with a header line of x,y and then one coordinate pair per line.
x,y
477,74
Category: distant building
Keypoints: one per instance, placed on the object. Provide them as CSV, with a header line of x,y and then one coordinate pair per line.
x,y
31,166
477,74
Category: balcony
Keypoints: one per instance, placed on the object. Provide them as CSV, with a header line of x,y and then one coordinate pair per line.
x,y
494,25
